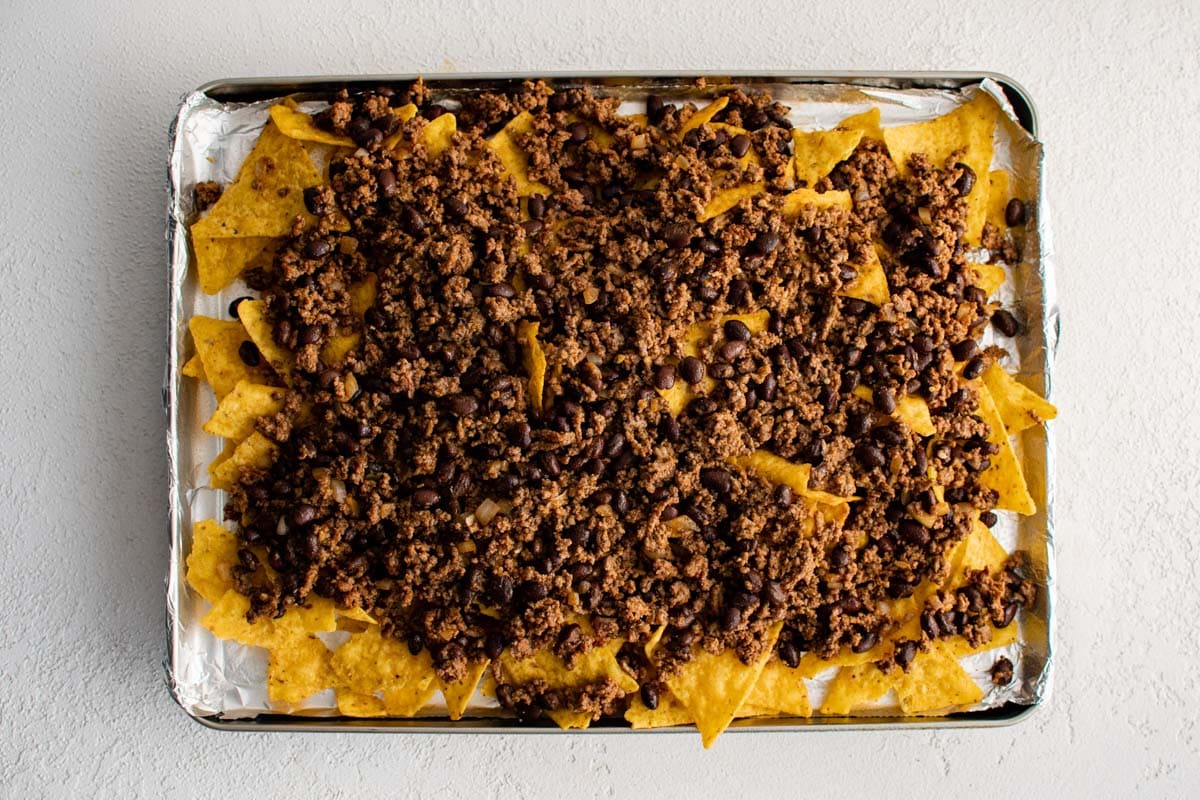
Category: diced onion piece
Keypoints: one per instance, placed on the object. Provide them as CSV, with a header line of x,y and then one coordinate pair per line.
x,y
486,511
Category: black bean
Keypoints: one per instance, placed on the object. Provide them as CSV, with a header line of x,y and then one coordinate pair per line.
x,y
425,498
710,247
654,108
731,618
310,334
620,503
691,369
412,219
789,654
462,405
783,495
885,400
739,145
302,515
314,200
964,350
765,243
649,695
1015,213
839,556
317,248
850,380
930,624
233,306
716,479
775,593
865,642
854,307
974,368
768,388
960,399
387,182
870,455
906,651
248,352
579,132
502,589
493,644
536,206
503,289
416,643
1002,672
1004,322
574,176
966,180
889,435
730,351
736,331
369,138
664,376
988,518
914,532
677,235
1006,618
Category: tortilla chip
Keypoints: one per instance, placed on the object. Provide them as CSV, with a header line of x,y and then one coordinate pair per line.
x,y
255,451
697,334
781,471
593,666
370,662
1019,406
713,687
911,409
458,694
221,260
724,199
268,193
988,277
567,720
514,159
356,614
870,284
404,113
704,115
335,350
781,690
855,688
194,368
439,134
217,342
535,362
237,413
669,712
816,153
979,550
298,125
958,647
1004,476
412,697
652,643
936,682
867,122
356,704
965,135
227,620
253,314
213,554
998,197
363,294
796,199
298,669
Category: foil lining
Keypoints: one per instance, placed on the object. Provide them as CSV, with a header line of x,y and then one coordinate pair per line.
x,y
223,682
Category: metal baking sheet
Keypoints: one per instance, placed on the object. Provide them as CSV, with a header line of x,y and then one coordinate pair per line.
x,y
222,685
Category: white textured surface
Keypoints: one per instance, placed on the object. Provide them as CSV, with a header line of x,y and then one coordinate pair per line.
x,y
87,97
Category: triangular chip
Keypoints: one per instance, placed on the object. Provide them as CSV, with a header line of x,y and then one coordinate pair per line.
x,y
514,159
704,115
268,193
870,284
997,199
535,362
936,682
988,277
255,451
298,125
856,687
253,314
668,713
595,665
724,199
227,620
780,690
404,113
439,134
237,413
194,368
714,686
964,134
867,122
799,198
356,704
407,700
458,694
335,350
297,669
217,345
1019,406
212,557
221,259
912,410
369,661
1004,476
568,720
816,153
795,476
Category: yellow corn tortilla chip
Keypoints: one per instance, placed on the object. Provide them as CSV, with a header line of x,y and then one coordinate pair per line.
x,y
213,554
515,162
704,115
988,277
724,199
812,665
713,687
241,408
227,620
935,682
1019,406
779,690
796,199
696,334
652,643
567,720
217,342
535,362
997,199
404,114
796,476
912,410
357,614
298,125
867,122
255,451
297,669
669,712
979,550
458,694
194,368
335,350
253,314
355,704
964,134
221,259
1004,476
268,193
369,661
870,284
816,153
855,687
957,646
407,700
595,665
731,131
439,134
363,294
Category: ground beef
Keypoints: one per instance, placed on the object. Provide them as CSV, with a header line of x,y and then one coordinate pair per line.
x,y
417,480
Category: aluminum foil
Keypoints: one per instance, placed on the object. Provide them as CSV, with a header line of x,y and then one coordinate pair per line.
x,y
224,684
